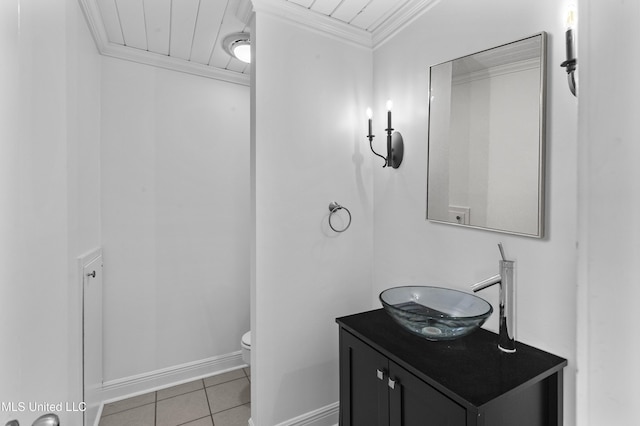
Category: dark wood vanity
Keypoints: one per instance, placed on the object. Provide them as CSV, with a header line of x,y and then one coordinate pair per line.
x,y
389,376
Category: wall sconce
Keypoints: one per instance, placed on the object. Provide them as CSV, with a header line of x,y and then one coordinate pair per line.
x,y
572,62
395,144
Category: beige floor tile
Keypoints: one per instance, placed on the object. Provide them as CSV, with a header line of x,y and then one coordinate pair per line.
x,y
182,409
228,395
180,389
126,404
224,377
238,416
207,421
139,416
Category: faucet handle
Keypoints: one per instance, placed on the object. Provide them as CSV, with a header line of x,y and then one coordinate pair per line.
x,y
502,252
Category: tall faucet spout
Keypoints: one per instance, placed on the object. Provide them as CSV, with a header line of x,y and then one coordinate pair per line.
x,y
507,341
486,283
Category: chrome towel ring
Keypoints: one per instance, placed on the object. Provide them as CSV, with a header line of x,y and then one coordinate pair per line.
x,y
333,208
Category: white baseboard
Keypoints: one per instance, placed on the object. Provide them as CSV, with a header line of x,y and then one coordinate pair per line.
x,y
127,387
96,421
324,416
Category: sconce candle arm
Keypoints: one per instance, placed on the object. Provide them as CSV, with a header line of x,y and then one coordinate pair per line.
x,y
571,79
571,63
395,146
370,136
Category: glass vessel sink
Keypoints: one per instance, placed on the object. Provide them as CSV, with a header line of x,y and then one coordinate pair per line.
x,y
435,313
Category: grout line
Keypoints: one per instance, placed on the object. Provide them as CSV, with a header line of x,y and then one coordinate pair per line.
x,y
127,409
195,420
204,388
180,394
228,381
206,395
231,408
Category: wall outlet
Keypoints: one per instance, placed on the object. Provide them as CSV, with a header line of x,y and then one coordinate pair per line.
x,y
461,215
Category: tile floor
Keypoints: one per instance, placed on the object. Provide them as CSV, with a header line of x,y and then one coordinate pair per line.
x,y
221,400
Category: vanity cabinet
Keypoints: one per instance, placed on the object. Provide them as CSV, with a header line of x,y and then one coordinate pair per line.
x,y
381,392
388,376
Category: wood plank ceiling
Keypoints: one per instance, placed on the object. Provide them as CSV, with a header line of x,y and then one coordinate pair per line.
x,y
190,30
187,35
367,15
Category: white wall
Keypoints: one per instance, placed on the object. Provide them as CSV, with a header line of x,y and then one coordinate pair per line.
x,y
609,207
49,211
409,249
175,214
83,172
49,134
311,92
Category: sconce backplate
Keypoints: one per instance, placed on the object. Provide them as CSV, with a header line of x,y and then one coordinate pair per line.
x,y
397,150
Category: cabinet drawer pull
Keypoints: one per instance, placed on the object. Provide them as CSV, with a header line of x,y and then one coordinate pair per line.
x,y
380,374
392,383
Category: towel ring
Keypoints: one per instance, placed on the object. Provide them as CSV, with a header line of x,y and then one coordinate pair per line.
x,y
334,207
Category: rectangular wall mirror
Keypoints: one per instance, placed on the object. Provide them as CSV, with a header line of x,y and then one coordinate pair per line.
x,y
487,139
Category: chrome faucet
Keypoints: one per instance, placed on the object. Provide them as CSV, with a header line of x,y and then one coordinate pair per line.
x,y
506,339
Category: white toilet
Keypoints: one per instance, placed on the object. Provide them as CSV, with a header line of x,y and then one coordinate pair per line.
x,y
246,347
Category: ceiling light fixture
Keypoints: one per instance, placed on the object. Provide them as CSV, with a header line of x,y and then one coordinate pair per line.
x,y
238,45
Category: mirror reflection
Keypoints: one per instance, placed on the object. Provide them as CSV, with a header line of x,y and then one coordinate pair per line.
x,y
486,139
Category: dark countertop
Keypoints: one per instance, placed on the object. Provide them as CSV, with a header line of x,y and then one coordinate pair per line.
x,y
471,370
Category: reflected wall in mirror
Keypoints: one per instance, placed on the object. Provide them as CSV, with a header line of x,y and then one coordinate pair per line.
x,y
487,139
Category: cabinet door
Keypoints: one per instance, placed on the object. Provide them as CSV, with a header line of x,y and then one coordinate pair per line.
x,y
415,403
363,384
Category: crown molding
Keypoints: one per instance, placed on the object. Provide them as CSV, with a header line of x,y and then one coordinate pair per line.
x,y
394,21
382,30
175,64
310,19
92,15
